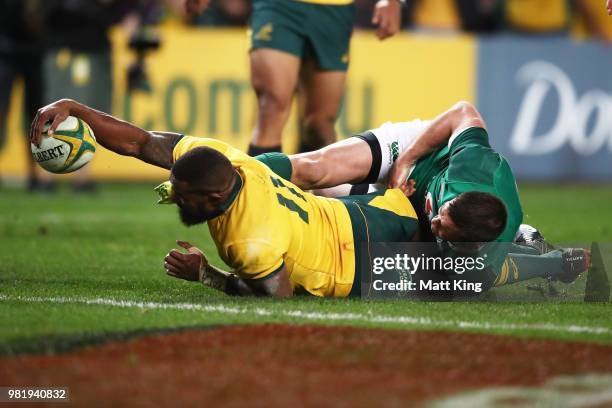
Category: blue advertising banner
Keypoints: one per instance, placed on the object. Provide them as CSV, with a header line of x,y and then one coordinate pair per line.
x,y
548,105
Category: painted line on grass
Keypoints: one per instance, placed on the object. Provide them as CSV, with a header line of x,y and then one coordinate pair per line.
x,y
306,315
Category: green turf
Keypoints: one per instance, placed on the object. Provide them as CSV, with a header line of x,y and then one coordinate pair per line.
x,y
111,247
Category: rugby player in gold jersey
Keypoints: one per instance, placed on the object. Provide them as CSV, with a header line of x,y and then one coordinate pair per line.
x,y
277,239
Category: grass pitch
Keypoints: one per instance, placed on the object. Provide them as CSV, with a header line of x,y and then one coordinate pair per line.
x,y
77,269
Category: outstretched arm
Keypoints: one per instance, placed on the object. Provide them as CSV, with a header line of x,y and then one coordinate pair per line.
x,y
193,266
114,134
461,116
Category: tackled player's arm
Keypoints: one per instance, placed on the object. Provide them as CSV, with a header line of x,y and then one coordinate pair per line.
x,y
194,266
350,160
276,286
114,134
460,116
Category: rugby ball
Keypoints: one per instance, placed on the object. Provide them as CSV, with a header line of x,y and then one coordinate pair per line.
x,y
71,147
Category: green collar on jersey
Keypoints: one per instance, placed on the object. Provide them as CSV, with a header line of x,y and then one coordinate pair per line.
x,y
225,205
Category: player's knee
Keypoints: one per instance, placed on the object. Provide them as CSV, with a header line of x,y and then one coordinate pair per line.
x,y
271,99
271,102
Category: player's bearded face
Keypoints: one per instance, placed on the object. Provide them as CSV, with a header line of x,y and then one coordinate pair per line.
x,y
194,207
193,216
197,209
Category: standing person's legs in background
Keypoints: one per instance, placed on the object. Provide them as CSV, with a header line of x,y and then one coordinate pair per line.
x,y
323,91
31,67
291,41
274,77
28,67
7,76
324,69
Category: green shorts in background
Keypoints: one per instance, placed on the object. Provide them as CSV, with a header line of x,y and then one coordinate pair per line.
x,y
306,30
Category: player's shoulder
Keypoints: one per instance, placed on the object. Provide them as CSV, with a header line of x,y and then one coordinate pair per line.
x,y
470,148
471,135
242,228
253,215
186,143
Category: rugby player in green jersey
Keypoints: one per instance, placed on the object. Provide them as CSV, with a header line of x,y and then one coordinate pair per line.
x,y
466,196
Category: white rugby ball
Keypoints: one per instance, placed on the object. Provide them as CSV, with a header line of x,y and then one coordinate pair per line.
x,y
71,147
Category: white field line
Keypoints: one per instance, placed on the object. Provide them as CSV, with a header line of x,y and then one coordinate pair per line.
x,y
318,316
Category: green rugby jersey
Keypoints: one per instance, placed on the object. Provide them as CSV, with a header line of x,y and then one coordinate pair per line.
x,y
467,164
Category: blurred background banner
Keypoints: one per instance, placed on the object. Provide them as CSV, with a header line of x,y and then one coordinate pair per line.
x,y
199,85
539,71
548,105
547,100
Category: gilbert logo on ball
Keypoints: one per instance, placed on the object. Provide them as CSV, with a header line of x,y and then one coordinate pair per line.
x,y
71,147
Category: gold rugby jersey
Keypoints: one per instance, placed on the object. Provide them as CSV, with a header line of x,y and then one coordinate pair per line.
x,y
270,223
